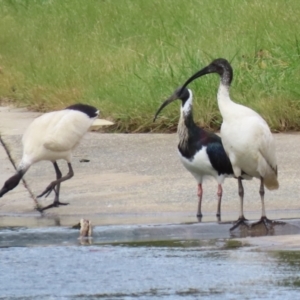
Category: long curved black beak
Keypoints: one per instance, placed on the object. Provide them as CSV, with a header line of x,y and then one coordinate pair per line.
x,y
198,74
165,103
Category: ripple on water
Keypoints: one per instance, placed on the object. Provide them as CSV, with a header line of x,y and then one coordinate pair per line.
x,y
144,272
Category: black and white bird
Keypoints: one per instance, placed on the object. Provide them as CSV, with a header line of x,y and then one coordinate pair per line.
x,y
51,137
246,137
201,152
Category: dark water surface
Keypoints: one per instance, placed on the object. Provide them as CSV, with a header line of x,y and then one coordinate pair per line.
x,y
141,262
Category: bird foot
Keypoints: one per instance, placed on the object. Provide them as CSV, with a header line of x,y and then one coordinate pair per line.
x,y
240,221
54,204
218,215
48,191
267,223
38,207
199,217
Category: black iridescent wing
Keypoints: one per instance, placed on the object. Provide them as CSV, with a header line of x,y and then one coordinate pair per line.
x,y
218,158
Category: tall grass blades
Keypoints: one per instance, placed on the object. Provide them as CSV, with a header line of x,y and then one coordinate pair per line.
x,y
127,56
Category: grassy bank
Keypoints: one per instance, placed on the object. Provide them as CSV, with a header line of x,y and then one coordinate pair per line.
x,y
127,56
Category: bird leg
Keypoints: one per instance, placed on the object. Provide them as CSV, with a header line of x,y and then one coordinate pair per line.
x,y
57,190
241,220
200,193
56,184
219,193
264,220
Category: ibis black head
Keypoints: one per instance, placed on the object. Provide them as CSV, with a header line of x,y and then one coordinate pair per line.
x,y
90,111
220,66
180,93
11,183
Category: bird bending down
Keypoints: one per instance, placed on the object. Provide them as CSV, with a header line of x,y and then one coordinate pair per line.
x,y
53,136
201,152
246,137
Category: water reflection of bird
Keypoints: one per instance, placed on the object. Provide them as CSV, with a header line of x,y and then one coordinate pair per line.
x,y
53,136
246,137
201,152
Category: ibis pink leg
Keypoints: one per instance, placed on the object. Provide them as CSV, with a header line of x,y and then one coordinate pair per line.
x,y
200,193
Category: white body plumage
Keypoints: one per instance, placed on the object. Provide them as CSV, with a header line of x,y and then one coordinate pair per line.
x,y
54,136
201,168
247,140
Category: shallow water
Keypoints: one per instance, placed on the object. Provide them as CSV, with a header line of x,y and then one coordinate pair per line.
x,y
141,262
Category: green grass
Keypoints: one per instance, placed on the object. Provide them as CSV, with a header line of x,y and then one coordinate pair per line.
x,y
127,56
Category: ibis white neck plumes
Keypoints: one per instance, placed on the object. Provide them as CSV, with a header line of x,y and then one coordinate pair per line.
x,y
186,119
186,107
223,92
226,105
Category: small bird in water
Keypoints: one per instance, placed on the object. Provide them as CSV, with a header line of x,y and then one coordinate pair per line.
x,y
201,152
246,137
86,229
51,137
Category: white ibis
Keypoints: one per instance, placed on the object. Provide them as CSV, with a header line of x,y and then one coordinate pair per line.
x,y
246,137
53,136
201,152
